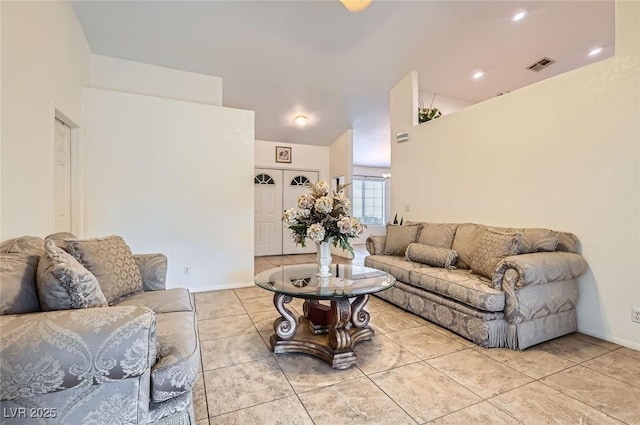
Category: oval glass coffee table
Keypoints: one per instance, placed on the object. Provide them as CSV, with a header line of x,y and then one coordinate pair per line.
x,y
338,327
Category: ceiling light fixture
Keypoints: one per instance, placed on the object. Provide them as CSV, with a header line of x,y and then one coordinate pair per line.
x,y
519,16
477,75
595,51
301,120
356,5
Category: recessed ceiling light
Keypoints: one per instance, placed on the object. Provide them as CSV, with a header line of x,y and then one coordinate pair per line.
x,y
519,16
477,75
301,120
595,51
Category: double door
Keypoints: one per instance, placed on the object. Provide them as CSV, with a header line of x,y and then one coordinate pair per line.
x,y
275,191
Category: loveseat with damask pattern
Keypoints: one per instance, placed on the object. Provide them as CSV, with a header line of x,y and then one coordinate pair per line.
x,y
498,287
125,353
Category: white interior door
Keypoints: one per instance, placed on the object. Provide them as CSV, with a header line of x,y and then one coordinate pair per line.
x,y
295,184
268,212
62,166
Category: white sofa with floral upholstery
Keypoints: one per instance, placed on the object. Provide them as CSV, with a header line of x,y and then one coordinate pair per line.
x,y
123,350
498,287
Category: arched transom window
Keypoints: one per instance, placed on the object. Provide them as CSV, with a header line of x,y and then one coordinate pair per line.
x,y
263,179
300,181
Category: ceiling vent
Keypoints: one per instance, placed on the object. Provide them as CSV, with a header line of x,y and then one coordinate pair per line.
x,y
541,64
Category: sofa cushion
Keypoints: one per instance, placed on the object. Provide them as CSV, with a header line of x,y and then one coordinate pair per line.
x,y
167,301
31,245
437,234
63,283
399,237
491,248
176,370
538,240
61,238
398,267
111,261
464,243
432,256
460,285
18,284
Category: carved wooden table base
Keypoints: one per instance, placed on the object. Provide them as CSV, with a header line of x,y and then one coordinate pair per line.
x,y
333,345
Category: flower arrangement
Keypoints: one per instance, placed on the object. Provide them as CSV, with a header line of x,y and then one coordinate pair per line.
x,y
427,114
322,215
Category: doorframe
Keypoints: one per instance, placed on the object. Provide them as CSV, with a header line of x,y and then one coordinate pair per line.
x,y
317,170
76,189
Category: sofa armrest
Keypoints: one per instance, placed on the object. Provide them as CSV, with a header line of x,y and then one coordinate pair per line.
x,y
52,351
153,268
537,268
375,244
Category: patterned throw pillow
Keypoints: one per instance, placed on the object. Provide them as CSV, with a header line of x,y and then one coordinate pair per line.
x,y
111,261
465,242
63,283
432,255
399,238
491,248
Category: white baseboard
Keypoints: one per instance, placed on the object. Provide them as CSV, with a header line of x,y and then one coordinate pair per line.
x,y
221,287
634,345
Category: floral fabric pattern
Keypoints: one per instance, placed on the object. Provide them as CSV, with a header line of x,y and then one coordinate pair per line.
x,y
44,353
63,283
153,270
437,234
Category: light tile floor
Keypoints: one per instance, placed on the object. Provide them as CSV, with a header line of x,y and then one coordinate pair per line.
x,y
411,372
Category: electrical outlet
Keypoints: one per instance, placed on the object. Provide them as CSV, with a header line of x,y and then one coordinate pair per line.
x,y
187,271
636,314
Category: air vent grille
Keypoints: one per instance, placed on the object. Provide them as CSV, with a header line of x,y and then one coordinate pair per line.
x,y
541,64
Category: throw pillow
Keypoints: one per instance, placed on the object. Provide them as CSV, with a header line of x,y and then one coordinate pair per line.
x,y
18,284
465,242
432,255
399,238
538,240
65,284
437,234
490,249
111,261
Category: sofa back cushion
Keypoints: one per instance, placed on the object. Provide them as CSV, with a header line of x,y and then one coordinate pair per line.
x,y
437,234
63,283
464,242
112,263
399,237
491,248
31,245
18,283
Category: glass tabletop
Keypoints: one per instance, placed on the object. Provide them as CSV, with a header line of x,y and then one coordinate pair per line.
x,y
347,280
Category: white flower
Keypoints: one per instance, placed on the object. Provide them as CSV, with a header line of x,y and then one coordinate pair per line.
x,y
322,187
316,232
324,204
350,226
290,217
306,201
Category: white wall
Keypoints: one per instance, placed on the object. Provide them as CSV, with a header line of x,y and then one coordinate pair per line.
x,y
173,177
562,153
141,78
446,105
45,62
341,164
303,157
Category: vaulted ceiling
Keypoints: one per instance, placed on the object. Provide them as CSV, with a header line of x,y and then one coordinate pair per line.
x,y
284,58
